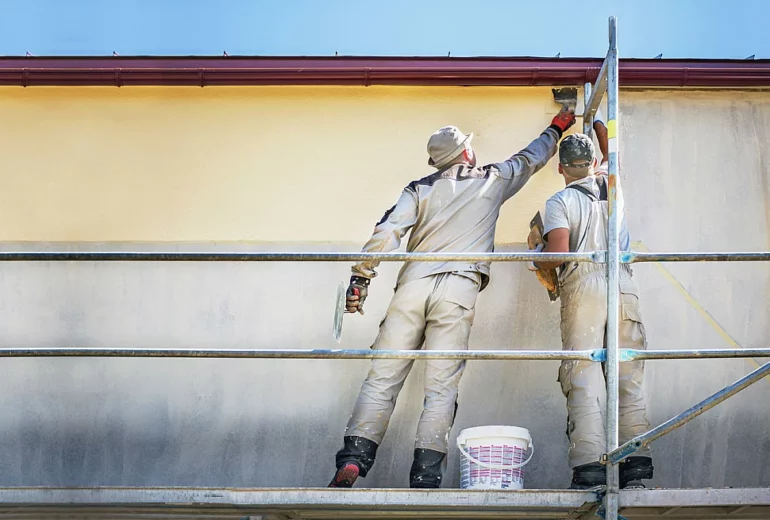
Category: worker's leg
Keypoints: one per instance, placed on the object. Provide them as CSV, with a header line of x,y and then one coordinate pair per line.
x,y
632,406
451,309
583,320
402,329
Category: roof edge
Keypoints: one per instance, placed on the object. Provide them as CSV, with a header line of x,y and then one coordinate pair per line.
x,y
419,71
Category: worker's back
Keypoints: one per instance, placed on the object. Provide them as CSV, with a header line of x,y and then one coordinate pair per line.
x,y
457,211
454,211
583,204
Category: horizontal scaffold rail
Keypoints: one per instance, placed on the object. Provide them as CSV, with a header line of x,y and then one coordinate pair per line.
x,y
249,256
598,355
627,354
586,355
627,257
630,257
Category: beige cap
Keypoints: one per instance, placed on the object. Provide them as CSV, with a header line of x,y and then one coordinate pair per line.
x,y
446,144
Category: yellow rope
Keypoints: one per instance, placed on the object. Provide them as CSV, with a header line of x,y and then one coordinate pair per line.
x,y
696,305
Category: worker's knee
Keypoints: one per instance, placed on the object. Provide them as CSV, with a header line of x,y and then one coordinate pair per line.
x,y
581,377
631,377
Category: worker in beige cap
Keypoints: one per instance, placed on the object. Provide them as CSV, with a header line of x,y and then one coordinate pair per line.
x,y
453,210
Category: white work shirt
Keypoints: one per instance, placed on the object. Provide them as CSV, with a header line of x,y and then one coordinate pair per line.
x,y
570,209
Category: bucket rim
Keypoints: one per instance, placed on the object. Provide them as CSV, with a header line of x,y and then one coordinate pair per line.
x,y
497,430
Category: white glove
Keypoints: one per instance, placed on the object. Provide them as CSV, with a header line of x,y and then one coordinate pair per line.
x,y
538,249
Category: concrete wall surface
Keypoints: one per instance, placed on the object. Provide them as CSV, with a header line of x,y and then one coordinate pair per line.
x,y
272,169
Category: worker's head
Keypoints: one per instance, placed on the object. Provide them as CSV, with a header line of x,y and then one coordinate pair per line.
x,y
577,157
449,146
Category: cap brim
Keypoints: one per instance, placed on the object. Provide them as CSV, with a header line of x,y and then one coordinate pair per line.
x,y
577,171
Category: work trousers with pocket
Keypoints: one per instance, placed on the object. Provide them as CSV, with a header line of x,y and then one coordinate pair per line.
x,y
583,327
435,312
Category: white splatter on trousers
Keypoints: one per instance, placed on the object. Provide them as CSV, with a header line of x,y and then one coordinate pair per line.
x,y
583,324
436,313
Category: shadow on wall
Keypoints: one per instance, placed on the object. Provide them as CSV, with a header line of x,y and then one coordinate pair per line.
x,y
203,447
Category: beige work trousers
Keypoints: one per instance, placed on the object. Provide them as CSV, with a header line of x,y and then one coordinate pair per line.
x,y
435,312
583,324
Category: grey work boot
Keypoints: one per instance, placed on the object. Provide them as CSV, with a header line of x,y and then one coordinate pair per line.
x,y
427,469
355,459
633,470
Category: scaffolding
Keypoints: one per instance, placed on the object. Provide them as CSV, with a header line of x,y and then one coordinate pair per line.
x,y
321,503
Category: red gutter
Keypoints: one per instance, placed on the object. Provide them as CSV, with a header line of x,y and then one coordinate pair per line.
x,y
198,71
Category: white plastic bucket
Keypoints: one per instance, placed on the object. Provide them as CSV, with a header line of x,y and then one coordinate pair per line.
x,y
493,457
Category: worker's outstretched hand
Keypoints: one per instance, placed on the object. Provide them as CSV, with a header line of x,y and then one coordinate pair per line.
x,y
356,294
564,119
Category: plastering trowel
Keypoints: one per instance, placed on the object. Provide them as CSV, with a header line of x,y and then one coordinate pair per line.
x,y
566,97
339,312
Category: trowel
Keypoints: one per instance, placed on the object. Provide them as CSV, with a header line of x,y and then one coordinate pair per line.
x,y
566,97
547,277
339,312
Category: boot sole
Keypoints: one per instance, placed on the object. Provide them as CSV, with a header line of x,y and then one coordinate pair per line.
x,y
345,477
595,487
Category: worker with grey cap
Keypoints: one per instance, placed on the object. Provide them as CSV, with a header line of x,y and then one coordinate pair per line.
x,y
453,210
576,221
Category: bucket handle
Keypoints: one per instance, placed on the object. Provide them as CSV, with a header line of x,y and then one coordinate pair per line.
x,y
495,466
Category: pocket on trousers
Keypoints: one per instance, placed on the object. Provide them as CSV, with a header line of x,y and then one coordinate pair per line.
x,y
628,287
631,311
462,291
629,299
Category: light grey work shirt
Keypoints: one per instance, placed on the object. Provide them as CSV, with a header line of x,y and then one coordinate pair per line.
x,y
574,210
455,210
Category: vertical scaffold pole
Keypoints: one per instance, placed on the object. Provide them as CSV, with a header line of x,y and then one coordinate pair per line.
x,y
615,201
588,120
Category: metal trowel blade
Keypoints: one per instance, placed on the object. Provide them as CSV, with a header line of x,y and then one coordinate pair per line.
x,y
339,312
566,97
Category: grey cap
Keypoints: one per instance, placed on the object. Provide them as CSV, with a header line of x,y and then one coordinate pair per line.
x,y
576,151
446,144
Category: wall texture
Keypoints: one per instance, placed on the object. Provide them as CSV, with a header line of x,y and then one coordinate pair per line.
x,y
313,169
257,164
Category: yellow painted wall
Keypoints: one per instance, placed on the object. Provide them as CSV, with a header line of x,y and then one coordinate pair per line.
x,y
317,164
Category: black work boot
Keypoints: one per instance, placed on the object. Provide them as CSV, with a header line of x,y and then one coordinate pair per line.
x,y
355,459
633,470
427,469
588,476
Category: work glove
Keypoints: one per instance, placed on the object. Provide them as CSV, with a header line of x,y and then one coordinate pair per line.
x,y
356,294
538,249
564,119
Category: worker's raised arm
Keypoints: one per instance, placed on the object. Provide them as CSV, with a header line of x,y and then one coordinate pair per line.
x,y
521,166
386,237
600,129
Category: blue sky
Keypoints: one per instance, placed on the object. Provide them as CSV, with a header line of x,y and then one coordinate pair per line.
x,y
676,28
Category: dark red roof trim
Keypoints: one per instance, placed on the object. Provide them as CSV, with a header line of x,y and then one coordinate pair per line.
x,y
199,71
